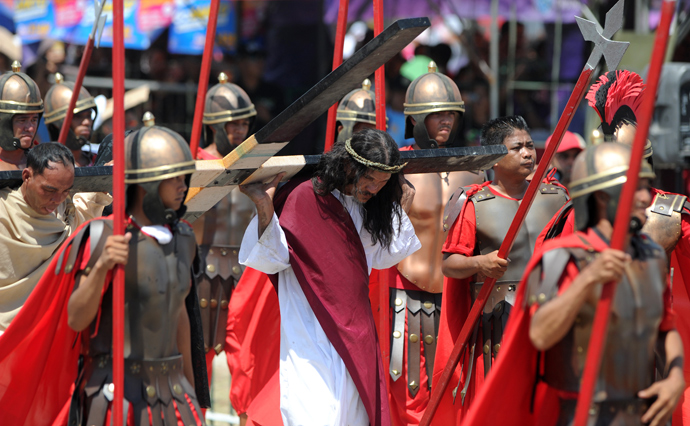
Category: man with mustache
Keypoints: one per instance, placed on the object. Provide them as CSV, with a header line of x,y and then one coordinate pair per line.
x,y
321,238
21,108
81,128
479,217
433,109
37,218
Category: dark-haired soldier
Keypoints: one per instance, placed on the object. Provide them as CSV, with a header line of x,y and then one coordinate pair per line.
x,y
21,108
549,333
322,237
81,128
433,109
479,218
616,97
163,349
37,218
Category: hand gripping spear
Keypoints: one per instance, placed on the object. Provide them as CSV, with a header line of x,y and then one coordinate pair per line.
x,y
613,52
621,225
94,37
203,76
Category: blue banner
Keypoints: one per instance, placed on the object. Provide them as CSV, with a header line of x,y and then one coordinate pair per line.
x,y
188,29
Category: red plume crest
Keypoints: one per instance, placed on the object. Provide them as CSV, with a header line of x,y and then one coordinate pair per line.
x,y
626,89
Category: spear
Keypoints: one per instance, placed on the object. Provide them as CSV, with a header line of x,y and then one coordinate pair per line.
x,y
118,204
340,30
380,93
613,52
94,37
203,77
622,221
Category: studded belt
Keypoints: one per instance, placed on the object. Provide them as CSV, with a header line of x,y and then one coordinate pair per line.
x,y
150,384
421,311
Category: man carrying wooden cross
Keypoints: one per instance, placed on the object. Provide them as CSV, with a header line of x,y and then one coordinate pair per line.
x,y
322,237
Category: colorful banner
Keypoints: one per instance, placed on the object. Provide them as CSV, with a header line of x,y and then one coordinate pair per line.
x,y
135,37
188,29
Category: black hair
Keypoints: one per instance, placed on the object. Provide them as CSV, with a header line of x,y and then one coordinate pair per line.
x,y
337,169
495,131
40,156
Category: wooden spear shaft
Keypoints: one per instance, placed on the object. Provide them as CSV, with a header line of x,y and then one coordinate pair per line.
x,y
118,204
341,29
83,65
478,306
203,77
622,223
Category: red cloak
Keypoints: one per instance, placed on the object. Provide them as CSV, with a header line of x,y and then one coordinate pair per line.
x,y
39,351
252,338
328,259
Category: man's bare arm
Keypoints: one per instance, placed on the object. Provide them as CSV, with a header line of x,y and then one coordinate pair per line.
x,y
458,266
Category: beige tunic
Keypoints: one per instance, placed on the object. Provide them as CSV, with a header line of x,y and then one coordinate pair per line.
x,y
28,241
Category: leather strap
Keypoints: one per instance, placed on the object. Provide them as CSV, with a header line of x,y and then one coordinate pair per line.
x,y
470,367
486,344
429,333
98,409
204,292
413,344
554,263
666,204
209,226
398,301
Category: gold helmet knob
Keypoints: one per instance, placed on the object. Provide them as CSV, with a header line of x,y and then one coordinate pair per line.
x,y
222,78
366,84
59,78
16,66
148,119
432,66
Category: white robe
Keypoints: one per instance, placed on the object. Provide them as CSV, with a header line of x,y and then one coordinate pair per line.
x,y
315,386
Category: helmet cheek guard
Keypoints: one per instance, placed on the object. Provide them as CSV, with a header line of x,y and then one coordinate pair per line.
x,y
358,106
56,103
154,154
429,93
603,168
19,94
225,102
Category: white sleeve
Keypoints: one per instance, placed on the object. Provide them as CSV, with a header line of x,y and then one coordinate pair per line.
x,y
268,254
404,243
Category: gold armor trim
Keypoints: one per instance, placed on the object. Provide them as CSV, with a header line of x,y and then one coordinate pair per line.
x,y
132,175
60,113
223,116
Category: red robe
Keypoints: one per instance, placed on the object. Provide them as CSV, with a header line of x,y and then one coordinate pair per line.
x,y
455,309
506,397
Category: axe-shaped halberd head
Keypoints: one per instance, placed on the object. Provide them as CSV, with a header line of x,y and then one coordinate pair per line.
x,y
612,51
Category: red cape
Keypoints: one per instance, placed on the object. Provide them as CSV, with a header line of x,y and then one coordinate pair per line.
x,y
252,338
328,259
506,396
39,352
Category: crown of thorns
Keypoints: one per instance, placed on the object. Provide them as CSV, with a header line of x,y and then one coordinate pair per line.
x,y
372,164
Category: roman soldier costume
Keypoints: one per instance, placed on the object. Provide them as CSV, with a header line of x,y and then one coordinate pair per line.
x,y
616,97
56,103
158,279
416,283
547,388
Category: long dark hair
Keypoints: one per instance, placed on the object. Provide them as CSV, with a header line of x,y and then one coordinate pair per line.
x,y
337,169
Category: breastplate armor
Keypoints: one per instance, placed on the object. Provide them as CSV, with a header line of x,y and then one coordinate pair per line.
x,y
664,220
225,223
636,312
423,267
494,215
157,280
